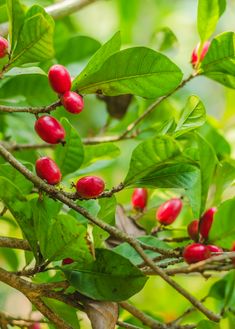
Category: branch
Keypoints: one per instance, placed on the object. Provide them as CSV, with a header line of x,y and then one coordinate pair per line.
x,y
34,293
6,242
48,313
32,110
144,318
58,10
54,193
152,107
127,325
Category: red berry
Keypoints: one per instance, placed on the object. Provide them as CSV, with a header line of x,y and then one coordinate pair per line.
x,y
233,249
168,211
90,186
139,198
206,222
194,57
213,248
49,129
72,102
193,229
47,169
67,261
35,325
3,47
196,252
59,79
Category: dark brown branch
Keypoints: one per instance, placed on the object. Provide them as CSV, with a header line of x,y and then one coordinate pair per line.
x,y
6,242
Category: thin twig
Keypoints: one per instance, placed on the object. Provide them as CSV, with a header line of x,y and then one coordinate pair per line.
x,y
32,110
144,318
57,11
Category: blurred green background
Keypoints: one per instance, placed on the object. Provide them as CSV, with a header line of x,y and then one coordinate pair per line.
x,y
141,23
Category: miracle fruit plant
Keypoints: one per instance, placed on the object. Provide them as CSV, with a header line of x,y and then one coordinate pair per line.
x,y
77,257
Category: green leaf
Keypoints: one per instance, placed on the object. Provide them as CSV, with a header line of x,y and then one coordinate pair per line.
x,y
180,175
97,60
20,208
16,15
25,71
222,232
208,161
35,42
164,39
82,46
106,214
219,62
94,153
129,252
209,13
140,71
158,163
193,116
216,139
70,156
60,236
224,177
148,155
110,277
24,185
206,324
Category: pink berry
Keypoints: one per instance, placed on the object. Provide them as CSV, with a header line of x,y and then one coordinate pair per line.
x,y
139,198
168,211
206,222
72,102
49,129
194,57
233,249
90,186
35,325
196,252
47,169
213,248
3,47
193,229
67,261
59,79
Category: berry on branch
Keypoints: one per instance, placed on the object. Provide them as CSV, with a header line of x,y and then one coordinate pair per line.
x,y
90,186
196,252
72,102
47,169
193,229
50,129
139,198
3,47
206,222
59,79
169,211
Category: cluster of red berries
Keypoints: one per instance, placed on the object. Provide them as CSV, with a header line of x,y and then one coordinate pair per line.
x,y
195,57
198,230
3,47
51,131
